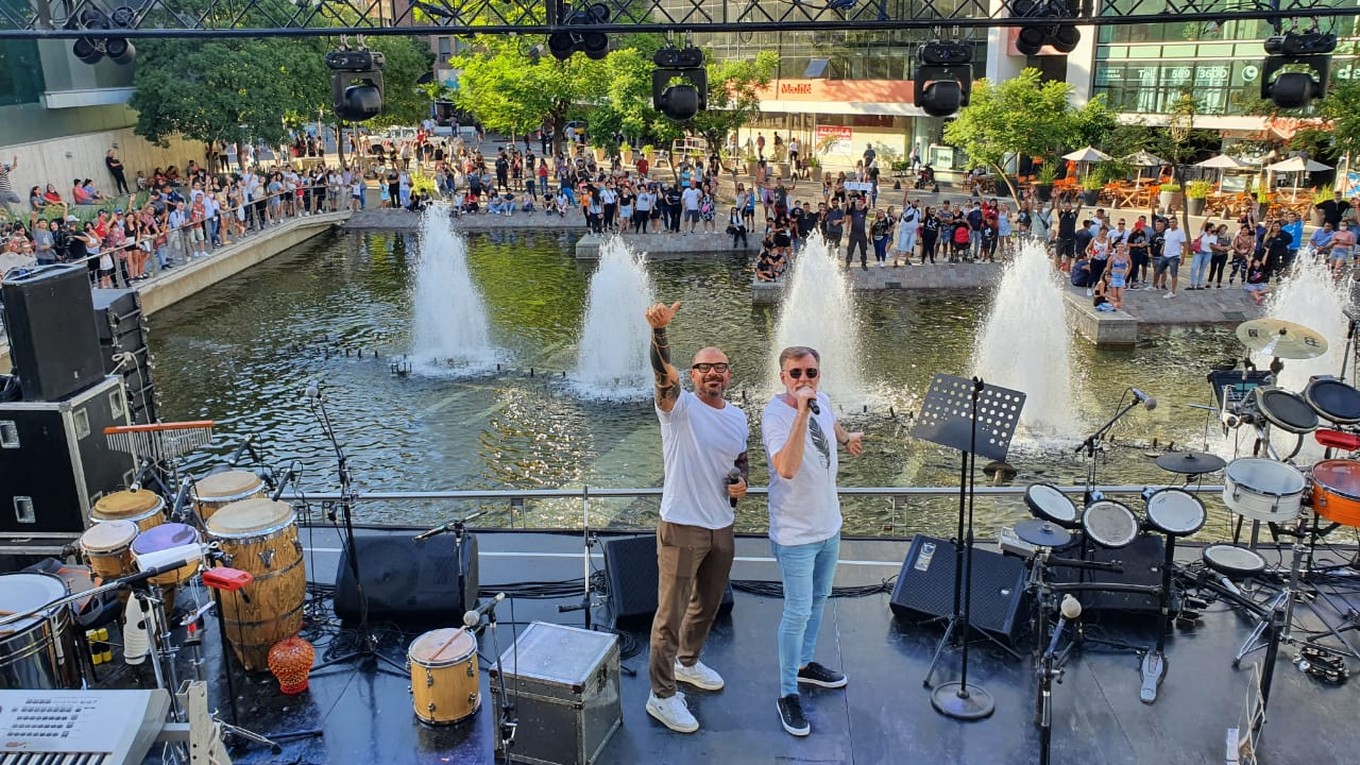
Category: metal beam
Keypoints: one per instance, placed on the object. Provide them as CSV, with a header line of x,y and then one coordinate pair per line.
x,y
32,19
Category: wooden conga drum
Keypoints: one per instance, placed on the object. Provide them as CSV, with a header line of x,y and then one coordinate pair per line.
x,y
260,536
142,507
108,550
221,489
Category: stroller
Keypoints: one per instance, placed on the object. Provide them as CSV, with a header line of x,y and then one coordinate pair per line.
x,y
925,179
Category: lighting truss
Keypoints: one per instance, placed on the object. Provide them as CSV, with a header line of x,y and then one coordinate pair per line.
x,y
46,19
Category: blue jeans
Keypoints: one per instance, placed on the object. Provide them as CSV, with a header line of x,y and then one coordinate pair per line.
x,y
1199,269
807,571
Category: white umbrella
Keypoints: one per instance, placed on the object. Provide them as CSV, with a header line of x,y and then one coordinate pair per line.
x,y
1088,154
1221,163
1144,159
1298,165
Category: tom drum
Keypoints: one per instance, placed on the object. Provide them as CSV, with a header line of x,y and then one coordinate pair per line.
x,y
444,683
1336,491
1175,512
1047,502
1109,524
1263,490
36,651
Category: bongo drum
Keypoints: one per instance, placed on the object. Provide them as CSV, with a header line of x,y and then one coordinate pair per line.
x,y
108,548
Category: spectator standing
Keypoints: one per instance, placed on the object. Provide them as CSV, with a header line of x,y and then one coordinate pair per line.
x,y
115,166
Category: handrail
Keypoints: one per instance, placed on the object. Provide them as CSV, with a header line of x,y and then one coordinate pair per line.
x,y
598,492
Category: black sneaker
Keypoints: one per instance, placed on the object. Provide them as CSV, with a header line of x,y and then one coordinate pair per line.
x,y
791,715
816,674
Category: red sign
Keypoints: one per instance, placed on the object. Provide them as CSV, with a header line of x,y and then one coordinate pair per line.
x,y
840,91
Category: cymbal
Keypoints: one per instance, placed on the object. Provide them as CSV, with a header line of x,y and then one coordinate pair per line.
x,y
1281,339
1191,463
1042,533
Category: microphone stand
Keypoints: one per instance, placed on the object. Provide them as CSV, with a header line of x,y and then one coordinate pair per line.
x,y
586,605
366,641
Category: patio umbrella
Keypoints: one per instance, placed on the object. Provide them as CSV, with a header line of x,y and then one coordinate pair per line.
x,y
1221,163
1297,165
1088,154
1141,159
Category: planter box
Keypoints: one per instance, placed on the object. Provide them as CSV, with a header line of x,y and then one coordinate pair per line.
x,y
1170,200
1044,191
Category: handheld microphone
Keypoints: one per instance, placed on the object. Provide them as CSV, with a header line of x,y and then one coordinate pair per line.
x,y
1147,401
812,406
733,478
473,618
1071,611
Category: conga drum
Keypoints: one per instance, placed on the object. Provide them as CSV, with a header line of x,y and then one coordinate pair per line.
x,y
142,507
221,489
165,537
260,536
444,683
108,549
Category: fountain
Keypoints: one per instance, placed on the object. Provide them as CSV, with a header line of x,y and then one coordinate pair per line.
x,y
1311,297
612,361
1024,344
450,331
818,311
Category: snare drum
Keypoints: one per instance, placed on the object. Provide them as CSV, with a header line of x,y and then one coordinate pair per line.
x,y
1336,491
1285,410
260,536
165,537
1109,524
39,651
142,507
1046,501
1263,490
221,489
108,548
1175,512
1334,400
444,683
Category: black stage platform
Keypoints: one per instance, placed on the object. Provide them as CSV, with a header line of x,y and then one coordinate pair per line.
x,y
884,716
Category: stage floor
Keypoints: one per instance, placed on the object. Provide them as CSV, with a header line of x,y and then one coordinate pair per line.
x,y
883,716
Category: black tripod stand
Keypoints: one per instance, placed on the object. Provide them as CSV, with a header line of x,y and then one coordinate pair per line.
x,y
950,417
366,641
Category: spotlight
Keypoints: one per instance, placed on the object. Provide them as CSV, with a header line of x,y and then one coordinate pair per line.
x,y
93,48
1045,31
944,77
1308,55
356,83
679,101
594,44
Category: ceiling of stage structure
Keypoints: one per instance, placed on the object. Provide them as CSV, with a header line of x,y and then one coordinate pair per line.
x,y
38,19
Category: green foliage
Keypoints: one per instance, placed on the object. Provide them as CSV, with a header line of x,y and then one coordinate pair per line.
x,y
1322,194
1341,111
1026,117
733,97
1047,173
1197,189
1170,188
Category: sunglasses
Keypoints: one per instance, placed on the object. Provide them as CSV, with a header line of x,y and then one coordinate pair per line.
x,y
706,367
797,373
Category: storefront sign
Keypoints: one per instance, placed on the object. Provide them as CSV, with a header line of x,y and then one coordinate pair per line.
x,y
834,139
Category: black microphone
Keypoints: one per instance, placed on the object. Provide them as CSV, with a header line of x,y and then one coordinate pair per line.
x,y
241,450
283,485
474,617
1147,401
1071,610
733,478
812,406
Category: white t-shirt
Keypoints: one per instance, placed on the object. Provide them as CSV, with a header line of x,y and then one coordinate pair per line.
x,y
805,508
700,446
691,198
1173,243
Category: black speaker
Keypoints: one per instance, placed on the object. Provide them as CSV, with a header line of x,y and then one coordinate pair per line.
x,y
123,331
54,346
925,586
409,581
1142,563
630,569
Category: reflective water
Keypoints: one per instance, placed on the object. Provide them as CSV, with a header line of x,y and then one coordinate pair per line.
x,y
336,310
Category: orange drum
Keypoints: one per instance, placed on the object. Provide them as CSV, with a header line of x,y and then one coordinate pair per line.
x,y
1336,491
142,507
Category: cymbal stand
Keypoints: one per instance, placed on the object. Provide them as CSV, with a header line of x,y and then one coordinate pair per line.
x,y
1281,606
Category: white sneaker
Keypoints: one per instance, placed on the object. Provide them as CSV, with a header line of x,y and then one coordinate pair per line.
x,y
1169,295
699,676
672,712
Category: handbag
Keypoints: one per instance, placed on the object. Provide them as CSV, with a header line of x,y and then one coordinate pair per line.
x,y
731,230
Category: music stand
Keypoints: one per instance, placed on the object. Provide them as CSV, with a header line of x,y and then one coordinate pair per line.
x,y
974,418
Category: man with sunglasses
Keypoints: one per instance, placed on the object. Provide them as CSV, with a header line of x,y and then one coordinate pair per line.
x,y
805,520
703,444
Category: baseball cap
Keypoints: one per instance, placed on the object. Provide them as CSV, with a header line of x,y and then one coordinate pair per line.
x,y
72,219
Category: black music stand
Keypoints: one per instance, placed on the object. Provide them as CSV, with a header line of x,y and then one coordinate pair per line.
x,y
974,418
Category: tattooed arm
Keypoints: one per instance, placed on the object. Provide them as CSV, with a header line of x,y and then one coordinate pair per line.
x,y
667,376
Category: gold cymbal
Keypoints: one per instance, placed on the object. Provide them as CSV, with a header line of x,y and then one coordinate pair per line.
x,y
1281,339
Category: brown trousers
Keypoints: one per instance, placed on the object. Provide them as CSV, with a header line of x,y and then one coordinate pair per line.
x,y
693,565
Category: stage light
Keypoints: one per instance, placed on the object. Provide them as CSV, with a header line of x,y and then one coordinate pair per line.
x,y
1045,31
356,83
1308,55
93,48
679,101
943,77
594,44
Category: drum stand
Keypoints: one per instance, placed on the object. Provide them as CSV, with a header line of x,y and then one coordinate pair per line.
x,y
1277,619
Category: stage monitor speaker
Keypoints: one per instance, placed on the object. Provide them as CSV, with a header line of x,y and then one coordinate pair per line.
x,y
54,345
630,569
1142,563
925,587
409,581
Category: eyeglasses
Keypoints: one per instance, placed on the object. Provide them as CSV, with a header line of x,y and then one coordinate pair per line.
x,y
705,367
797,373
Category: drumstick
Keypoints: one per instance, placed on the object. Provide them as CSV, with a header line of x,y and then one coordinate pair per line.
x,y
456,634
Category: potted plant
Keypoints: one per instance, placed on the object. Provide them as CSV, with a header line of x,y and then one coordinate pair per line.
x,y
626,151
1320,195
1196,195
1169,195
814,166
649,152
1090,188
1043,181
601,153
751,163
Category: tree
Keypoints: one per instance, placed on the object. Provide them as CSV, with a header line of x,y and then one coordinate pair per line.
x,y
1024,117
733,95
